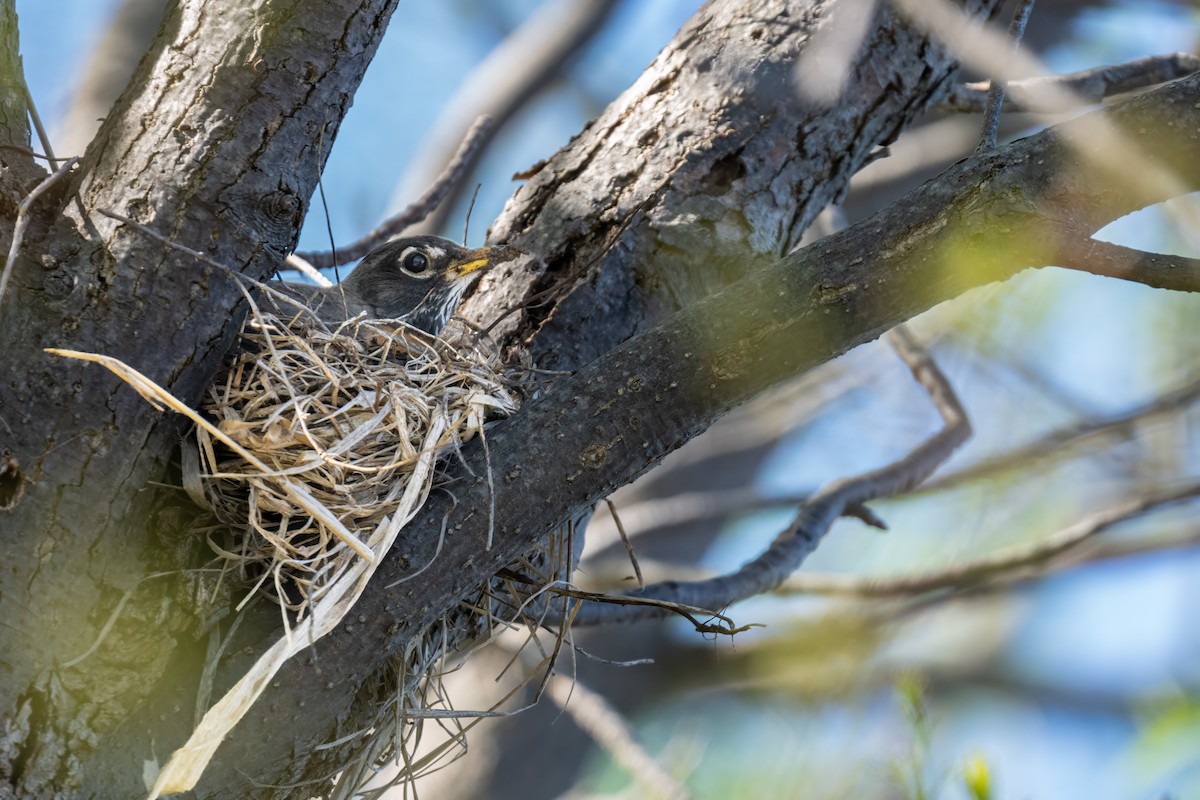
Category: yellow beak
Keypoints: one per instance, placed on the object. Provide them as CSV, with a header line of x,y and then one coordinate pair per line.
x,y
479,259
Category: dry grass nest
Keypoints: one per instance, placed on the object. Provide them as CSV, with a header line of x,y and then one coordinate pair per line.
x,y
323,444
344,427
314,447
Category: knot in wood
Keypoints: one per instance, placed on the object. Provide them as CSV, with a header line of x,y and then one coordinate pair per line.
x,y
12,482
728,364
594,456
281,208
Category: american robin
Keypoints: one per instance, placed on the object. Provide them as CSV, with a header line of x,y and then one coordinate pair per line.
x,y
419,280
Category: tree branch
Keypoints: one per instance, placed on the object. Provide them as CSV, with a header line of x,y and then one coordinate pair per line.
x,y
1086,86
513,73
14,103
636,219
995,93
1071,435
1001,565
1161,271
605,725
451,175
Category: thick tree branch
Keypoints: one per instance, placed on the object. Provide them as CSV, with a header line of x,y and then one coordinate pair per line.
x,y
637,217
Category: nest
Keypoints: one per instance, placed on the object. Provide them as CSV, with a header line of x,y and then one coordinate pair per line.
x,y
341,425
314,447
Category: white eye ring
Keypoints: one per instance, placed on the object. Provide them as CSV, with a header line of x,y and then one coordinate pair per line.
x,y
415,262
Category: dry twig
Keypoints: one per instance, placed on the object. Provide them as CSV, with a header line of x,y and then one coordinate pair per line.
x,y
604,724
1002,565
450,176
1060,439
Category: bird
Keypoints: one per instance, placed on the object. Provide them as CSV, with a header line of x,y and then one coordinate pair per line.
x,y
418,280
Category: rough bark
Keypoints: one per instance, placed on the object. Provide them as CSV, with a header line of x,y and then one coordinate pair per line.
x,y
710,165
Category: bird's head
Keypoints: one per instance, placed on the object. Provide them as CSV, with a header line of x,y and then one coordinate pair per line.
x,y
419,279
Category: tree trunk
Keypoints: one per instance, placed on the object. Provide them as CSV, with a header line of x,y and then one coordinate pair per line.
x,y
217,144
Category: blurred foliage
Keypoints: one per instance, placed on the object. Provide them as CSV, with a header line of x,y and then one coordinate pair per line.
x,y
1165,751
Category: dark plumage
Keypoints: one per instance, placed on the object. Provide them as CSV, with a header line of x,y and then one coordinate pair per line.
x,y
418,280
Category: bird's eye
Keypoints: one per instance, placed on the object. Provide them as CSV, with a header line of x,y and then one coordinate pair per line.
x,y
415,263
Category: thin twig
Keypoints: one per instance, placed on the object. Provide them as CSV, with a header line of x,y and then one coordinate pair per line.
x,y
23,220
1058,440
1000,564
785,555
240,280
633,559
43,137
1044,94
525,62
422,208
605,725
995,98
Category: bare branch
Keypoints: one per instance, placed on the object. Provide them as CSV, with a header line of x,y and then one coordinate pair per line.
x,y
1070,436
502,84
100,80
770,569
633,559
1003,564
995,95
1086,86
1159,270
451,175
